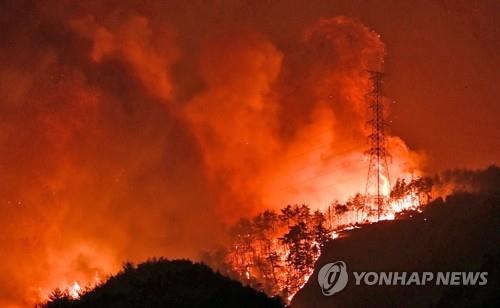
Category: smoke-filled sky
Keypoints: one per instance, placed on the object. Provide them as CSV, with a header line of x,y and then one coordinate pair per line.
x,y
131,129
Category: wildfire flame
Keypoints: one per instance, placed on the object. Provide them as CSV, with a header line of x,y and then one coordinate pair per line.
x,y
289,274
74,291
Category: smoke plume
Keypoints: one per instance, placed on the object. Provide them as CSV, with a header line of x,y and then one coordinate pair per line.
x,y
141,130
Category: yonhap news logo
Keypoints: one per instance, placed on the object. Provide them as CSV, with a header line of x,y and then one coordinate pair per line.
x,y
333,278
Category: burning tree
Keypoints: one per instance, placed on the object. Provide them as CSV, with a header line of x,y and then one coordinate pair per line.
x,y
300,257
276,252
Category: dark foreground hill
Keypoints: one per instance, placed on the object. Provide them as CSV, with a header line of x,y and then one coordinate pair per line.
x,y
162,283
459,234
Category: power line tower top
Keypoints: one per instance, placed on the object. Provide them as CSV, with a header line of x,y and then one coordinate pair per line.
x,y
378,181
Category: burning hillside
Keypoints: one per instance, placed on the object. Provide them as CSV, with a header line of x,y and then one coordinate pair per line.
x,y
457,232
276,252
149,128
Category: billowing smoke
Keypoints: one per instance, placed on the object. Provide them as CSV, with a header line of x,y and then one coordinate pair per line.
x,y
137,131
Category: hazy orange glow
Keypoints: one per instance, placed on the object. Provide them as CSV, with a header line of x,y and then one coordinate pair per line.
x,y
145,129
253,154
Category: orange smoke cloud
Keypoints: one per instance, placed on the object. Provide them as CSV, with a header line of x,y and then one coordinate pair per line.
x,y
110,153
234,118
243,117
150,55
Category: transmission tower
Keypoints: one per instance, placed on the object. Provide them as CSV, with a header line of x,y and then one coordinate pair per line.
x,y
378,182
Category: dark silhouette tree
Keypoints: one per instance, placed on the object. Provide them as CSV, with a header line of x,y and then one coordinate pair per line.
x,y
300,258
339,210
358,205
321,233
289,214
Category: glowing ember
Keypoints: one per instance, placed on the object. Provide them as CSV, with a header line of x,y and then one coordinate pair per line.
x,y
390,216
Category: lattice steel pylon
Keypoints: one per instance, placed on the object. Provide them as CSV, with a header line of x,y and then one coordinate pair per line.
x,y
378,182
